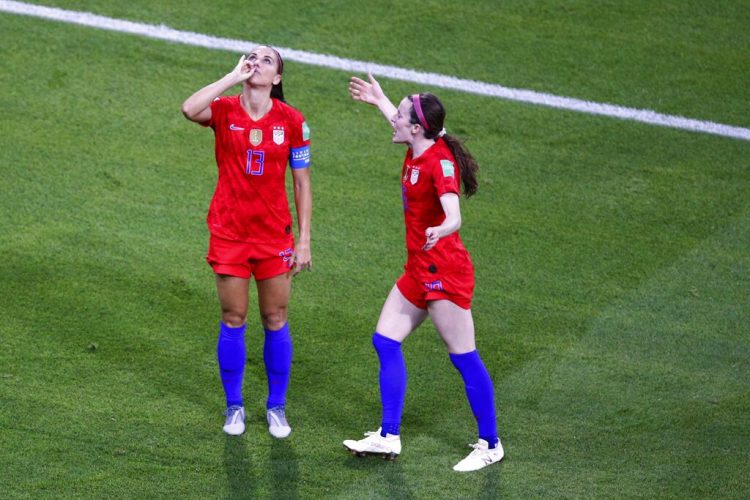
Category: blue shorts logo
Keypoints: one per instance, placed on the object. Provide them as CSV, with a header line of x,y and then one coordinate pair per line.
x,y
434,286
286,255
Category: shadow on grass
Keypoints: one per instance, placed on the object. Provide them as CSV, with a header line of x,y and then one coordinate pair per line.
x,y
492,480
395,481
389,479
242,479
284,470
238,468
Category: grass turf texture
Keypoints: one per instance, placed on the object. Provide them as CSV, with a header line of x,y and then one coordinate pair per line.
x,y
612,265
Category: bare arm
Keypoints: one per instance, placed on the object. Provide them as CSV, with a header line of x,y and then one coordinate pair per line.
x,y
197,107
371,93
303,204
451,224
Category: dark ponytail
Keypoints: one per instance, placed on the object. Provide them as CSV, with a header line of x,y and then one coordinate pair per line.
x,y
277,91
432,119
467,165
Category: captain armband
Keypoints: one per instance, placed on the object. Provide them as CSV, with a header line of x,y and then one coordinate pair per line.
x,y
300,157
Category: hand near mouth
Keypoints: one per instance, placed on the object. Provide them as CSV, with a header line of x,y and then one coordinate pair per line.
x,y
244,70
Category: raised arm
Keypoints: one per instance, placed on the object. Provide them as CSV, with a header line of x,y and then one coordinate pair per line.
x,y
197,107
371,93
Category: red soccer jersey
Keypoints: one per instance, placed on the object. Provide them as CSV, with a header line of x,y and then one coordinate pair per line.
x,y
423,181
250,202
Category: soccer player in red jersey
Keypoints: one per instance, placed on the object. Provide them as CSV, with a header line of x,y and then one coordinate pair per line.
x,y
256,135
439,277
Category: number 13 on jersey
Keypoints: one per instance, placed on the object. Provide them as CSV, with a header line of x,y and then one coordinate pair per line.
x,y
254,162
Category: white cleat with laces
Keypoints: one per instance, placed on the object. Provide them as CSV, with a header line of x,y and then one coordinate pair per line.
x,y
235,422
277,424
481,457
375,444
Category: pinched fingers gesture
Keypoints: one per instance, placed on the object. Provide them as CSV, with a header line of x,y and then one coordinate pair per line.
x,y
243,70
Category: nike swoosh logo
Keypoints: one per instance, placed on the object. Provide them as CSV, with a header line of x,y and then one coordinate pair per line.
x,y
235,127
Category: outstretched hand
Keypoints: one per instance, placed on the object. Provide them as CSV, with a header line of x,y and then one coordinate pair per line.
x,y
369,92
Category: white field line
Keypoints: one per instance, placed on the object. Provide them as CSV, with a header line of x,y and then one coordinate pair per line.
x,y
163,32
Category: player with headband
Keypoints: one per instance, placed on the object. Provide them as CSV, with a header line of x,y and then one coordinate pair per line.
x,y
438,278
256,135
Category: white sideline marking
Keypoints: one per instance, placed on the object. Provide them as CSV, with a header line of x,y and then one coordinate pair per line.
x,y
163,32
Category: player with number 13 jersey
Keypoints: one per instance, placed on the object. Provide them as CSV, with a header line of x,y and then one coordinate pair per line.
x,y
250,202
256,135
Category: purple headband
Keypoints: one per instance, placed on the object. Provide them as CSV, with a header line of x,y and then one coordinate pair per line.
x,y
418,109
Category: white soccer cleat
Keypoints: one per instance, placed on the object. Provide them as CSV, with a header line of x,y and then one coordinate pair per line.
x,y
481,457
375,444
277,424
235,422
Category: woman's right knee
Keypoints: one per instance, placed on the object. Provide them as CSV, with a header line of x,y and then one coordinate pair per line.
x,y
233,318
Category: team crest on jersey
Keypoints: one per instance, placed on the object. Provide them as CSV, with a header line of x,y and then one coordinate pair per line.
x,y
256,136
278,135
414,177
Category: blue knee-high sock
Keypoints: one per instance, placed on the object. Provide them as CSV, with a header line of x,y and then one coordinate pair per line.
x,y
277,355
230,350
392,382
480,392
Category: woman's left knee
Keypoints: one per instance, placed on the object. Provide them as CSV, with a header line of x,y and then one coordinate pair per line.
x,y
274,319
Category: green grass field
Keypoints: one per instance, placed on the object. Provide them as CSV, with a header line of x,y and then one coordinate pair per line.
x,y
613,264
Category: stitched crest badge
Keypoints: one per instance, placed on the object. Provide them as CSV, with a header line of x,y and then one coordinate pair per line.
x,y
278,135
256,136
414,175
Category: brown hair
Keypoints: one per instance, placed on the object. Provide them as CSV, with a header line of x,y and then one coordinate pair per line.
x,y
277,91
433,112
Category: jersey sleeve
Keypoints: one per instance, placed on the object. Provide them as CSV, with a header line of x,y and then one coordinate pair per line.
x,y
219,107
445,177
299,146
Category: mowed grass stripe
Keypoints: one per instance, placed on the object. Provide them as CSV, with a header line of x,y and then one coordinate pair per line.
x,y
653,394
163,32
